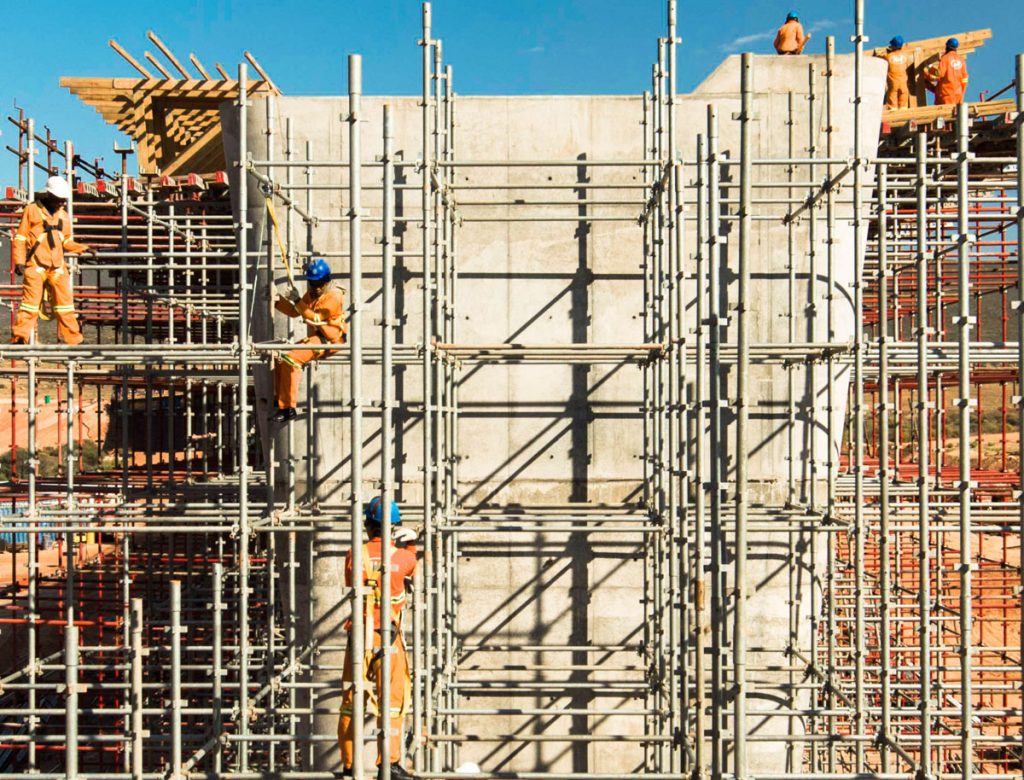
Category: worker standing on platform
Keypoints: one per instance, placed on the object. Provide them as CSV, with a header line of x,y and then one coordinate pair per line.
x,y
790,38
322,308
897,88
402,568
42,238
949,76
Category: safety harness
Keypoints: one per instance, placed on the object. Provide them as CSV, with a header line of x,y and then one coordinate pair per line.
x,y
280,241
372,657
375,599
48,231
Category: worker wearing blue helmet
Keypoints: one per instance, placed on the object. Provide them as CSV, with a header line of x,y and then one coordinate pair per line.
x,y
387,600
322,308
949,76
897,85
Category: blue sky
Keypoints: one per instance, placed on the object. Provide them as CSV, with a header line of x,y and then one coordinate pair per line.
x,y
510,47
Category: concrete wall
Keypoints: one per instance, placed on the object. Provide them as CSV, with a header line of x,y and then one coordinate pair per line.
x,y
542,434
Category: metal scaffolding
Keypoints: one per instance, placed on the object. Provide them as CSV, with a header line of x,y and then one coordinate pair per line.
x,y
157,620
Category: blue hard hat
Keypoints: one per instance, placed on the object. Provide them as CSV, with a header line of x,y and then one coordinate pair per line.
x,y
896,43
316,270
953,43
792,15
373,512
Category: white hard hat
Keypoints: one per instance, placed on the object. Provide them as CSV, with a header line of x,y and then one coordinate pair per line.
x,y
58,187
469,768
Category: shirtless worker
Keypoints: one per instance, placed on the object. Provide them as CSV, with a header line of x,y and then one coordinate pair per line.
x,y
790,38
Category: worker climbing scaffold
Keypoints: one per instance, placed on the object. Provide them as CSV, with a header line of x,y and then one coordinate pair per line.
x,y
322,308
42,238
402,567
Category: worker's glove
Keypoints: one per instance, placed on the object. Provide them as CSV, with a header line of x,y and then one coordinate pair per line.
x,y
88,252
289,293
19,270
403,536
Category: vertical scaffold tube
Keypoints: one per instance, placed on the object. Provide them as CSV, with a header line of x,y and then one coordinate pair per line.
x,y
424,640
810,402
217,665
742,418
69,494
679,564
1019,81
71,701
243,418
964,321
355,340
175,768
386,443
715,456
923,497
662,402
436,552
646,124
137,700
831,446
32,510
700,453
859,529
884,473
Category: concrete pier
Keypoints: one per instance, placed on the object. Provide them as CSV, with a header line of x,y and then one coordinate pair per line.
x,y
534,435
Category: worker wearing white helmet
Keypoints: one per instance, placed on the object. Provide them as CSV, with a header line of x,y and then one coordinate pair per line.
x,y
43,236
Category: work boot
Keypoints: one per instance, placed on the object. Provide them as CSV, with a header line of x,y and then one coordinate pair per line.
x,y
346,771
397,773
285,415
18,340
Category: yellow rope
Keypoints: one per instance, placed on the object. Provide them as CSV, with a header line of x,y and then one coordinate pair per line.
x,y
280,241
46,307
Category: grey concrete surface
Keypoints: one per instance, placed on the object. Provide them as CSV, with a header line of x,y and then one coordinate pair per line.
x,y
541,434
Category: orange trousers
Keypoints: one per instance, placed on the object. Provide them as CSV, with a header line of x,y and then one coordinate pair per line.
x,y
59,280
897,94
288,372
373,671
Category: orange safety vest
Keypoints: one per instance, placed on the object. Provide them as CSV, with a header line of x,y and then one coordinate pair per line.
x,y
43,237
374,601
324,315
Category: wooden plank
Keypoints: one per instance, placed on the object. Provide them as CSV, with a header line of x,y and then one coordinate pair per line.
x,y
196,150
198,65
931,113
969,41
259,70
129,58
167,53
157,65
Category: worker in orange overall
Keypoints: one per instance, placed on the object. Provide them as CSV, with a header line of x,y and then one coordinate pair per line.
x,y
322,308
949,76
897,88
402,568
790,38
42,238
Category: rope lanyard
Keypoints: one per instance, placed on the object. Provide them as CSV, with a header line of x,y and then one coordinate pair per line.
x,y
280,241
